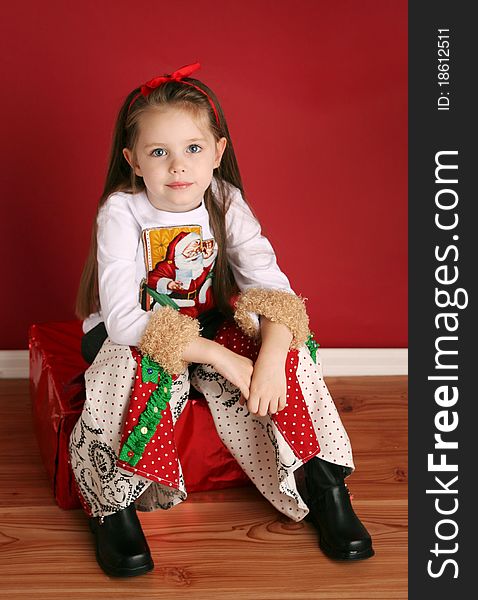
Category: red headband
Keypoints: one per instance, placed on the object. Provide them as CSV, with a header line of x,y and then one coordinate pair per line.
x,y
178,75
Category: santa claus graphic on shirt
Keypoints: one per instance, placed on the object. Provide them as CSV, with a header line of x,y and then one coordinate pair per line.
x,y
185,274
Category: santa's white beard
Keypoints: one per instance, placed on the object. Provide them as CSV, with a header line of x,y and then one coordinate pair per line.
x,y
194,263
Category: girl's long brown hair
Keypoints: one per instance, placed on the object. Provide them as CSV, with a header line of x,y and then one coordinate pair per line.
x,y
121,177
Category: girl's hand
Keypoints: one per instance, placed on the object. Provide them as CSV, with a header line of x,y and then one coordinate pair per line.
x,y
235,368
268,389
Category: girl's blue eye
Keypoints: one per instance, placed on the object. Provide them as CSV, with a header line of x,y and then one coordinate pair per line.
x,y
154,152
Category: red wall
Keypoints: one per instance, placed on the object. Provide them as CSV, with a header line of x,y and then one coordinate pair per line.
x,y
316,102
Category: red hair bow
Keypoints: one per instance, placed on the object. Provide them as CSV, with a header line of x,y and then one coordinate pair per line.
x,y
178,75
185,71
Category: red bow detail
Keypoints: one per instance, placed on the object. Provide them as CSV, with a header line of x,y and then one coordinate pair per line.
x,y
178,75
185,71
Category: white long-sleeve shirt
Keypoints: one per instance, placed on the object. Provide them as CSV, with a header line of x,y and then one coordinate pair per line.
x,y
121,257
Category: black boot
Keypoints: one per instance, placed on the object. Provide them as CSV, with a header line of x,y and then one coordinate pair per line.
x,y
121,547
341,533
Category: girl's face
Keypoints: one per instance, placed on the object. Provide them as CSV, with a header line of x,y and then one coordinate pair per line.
x,y
172,147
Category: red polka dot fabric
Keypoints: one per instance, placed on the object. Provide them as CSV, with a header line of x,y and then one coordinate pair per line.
x,y
294,421
159,461
230,336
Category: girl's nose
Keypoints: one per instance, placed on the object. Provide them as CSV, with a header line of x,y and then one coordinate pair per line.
x,y
177,166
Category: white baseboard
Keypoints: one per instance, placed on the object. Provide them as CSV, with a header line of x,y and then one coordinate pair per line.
x,y
336,362
14,364
341,362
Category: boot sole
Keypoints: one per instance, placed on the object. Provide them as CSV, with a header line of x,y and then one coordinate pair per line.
x,y
331,553
337,554
125,572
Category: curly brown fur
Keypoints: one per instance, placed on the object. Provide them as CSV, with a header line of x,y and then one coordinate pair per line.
x,y
166,336
277,305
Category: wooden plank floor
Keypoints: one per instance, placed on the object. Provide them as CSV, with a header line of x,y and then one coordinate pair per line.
x,y
227,545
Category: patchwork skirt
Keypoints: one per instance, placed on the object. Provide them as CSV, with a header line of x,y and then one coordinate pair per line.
x,y
114,467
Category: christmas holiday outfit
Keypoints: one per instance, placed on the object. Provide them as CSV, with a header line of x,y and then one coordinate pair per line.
x,y
155,272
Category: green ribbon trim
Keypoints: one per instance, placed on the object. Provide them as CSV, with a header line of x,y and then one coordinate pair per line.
x,y
149,370
149,419
312,345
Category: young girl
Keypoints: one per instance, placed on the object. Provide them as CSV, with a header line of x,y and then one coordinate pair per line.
x,y
180,288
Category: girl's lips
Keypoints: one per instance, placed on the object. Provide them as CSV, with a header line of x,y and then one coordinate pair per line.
x,y
179,185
